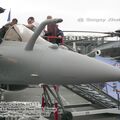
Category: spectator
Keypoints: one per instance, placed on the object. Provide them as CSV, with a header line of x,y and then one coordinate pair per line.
x,y
49,17
53,33
6,27
51,28
59,32
60,36
33,25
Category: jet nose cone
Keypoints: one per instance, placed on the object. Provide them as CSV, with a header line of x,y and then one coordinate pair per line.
x,y
98,71
67,67
91,70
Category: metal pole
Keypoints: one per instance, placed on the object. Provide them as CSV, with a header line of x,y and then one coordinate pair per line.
x,y
118,96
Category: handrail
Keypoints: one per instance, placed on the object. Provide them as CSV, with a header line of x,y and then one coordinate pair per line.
x,y
109,86
86,95
104,92
112,87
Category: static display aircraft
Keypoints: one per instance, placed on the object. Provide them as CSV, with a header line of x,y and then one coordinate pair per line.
x,y
26,58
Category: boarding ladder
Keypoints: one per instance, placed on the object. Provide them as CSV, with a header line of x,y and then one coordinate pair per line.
x,y
94,94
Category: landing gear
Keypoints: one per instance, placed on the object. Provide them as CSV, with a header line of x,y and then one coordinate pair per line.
x,y
52,99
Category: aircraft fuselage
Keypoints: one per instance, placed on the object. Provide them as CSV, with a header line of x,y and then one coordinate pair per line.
x,y
50,66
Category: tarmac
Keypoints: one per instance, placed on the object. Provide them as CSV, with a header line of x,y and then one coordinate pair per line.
x,y
68,98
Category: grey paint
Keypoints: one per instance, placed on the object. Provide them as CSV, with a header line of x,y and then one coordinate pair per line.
x,y
49,64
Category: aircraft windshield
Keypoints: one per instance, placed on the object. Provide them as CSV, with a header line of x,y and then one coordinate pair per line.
x,y
12,35
18,33
22,34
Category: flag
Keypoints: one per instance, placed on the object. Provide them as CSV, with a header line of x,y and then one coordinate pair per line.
x,y
9,16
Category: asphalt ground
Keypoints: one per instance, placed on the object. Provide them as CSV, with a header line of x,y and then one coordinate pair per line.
x,y
68,98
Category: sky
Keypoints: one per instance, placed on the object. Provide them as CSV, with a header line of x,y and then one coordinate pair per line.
x,y
93,15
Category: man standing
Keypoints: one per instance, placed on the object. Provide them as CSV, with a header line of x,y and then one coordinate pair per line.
x,y
53,33
33,25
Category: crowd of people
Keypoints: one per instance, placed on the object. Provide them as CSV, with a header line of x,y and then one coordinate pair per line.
x,y
51,32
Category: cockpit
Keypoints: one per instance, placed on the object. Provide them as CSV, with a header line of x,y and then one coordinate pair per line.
x,y
18,33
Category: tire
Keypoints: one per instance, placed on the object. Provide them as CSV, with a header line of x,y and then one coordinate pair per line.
x,y
67,116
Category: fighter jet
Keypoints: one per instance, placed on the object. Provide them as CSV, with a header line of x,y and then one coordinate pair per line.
x,y
26,58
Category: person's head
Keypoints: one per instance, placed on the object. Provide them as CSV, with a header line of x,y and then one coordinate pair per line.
x,y
30,20
14,21
49,17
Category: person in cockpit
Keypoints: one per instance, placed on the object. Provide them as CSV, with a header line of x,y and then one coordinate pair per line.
x,y
4,29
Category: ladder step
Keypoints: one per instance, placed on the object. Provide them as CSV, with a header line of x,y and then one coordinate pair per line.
x,y
91,93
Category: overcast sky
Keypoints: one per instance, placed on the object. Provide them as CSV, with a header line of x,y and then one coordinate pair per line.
x,y
99,15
